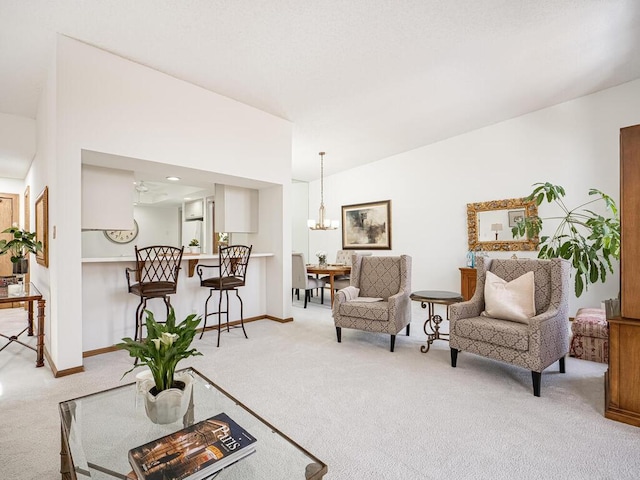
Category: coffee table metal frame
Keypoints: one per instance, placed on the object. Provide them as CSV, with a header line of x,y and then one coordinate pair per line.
x,y
97,431
428,299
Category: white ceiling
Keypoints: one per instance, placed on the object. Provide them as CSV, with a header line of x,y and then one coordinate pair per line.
x,y
359,79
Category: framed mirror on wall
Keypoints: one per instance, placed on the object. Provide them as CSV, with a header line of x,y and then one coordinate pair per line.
x,y
489,225
42,227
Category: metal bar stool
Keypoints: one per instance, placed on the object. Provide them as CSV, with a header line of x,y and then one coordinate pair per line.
x,y
232,270
155,276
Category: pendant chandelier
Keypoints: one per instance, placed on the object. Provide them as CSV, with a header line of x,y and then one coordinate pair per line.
x,y
322,223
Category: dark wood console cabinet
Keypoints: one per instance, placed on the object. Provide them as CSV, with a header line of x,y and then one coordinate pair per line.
x,y
467,282
622,380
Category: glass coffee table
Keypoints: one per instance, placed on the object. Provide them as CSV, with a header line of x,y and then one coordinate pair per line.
x,y
98,430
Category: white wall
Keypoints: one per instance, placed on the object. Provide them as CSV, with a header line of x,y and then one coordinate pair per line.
x,y
575,144
299,217
104,103
10,185
17,143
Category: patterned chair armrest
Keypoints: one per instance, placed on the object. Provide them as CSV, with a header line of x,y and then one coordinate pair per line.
x,y
400,307
338,299
398,298
550,315
468,309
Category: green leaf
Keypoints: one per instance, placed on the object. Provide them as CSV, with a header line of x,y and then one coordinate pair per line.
x,y
579,285
587,238
163,361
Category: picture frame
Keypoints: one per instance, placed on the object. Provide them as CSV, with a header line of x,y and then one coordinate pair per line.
x,y
367,226
515,216
42,227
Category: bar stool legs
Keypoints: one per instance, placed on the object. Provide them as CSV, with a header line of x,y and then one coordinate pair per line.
x,y
142,306
220,312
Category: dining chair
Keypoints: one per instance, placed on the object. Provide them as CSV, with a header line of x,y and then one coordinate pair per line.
x,y
300,280
344,257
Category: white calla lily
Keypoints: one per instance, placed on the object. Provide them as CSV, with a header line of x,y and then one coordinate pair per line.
x,y
168,338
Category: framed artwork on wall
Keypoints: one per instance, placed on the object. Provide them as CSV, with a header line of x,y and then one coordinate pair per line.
x,y
515,216
367,226
42,227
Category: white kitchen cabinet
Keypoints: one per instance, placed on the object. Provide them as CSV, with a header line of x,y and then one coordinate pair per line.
x,y
236,209
193,210
107,198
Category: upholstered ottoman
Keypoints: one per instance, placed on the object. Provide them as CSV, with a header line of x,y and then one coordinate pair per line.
x,y
590,339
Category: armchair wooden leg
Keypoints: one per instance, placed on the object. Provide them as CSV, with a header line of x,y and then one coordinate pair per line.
x,y
562,367
408,327
306,296
454,357
339,334
536,377
393,342
322,296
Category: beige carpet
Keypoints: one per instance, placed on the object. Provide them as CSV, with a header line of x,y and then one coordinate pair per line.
x,y
366,412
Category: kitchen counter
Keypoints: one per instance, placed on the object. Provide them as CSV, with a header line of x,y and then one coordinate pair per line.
x,y
192,258
185,256
109,311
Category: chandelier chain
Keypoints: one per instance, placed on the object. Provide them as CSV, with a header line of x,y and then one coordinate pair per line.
x,y
322,178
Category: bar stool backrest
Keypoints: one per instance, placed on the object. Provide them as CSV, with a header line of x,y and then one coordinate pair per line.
x,y
158,263
233,261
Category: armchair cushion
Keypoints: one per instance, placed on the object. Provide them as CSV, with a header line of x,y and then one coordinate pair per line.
x,y
493,331
514,300
378,311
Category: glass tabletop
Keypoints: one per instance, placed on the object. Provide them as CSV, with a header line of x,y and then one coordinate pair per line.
x,y
100,429
27,292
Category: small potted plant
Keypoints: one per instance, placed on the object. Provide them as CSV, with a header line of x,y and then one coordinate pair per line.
x,y
166,393
322,258
19,246
194,246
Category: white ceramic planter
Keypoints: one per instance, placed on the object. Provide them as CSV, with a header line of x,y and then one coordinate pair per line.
x,y
169,405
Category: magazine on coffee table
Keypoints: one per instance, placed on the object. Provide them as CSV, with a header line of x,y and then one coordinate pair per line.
x,y
193,453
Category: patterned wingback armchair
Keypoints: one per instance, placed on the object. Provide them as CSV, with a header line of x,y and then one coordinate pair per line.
x,y
385,278
534,345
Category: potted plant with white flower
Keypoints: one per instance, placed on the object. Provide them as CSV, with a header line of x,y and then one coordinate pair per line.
x,y
167,393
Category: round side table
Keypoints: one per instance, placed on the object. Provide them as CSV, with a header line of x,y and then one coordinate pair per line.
x,y
429,298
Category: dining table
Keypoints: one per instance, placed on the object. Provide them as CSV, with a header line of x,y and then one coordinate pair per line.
x,y
330,270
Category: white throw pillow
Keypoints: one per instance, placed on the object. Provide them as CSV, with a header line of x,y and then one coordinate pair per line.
x,y
350,292
514,300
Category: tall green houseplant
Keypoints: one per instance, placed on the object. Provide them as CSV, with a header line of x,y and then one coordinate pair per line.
x,y
587,239
20,244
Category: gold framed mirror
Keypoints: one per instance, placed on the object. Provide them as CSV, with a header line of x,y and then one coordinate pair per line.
x,y
489,225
